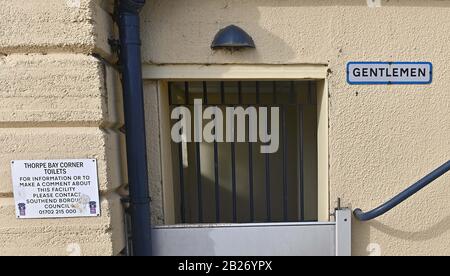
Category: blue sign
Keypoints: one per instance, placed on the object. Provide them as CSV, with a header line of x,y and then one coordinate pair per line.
x,y
389,72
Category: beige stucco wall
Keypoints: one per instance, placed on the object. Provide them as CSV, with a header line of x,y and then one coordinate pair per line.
x,y
381,138
58,101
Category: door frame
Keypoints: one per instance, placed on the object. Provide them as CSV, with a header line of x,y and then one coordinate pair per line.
x,y
196,72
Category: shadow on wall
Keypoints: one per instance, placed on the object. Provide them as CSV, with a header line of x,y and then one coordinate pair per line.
x,y
362,235
361,238
429,233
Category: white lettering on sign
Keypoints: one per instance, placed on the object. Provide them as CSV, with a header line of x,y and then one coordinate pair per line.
x,y
55,188
389,72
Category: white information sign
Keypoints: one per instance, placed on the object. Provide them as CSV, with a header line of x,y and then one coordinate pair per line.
x,y
55,188
389,72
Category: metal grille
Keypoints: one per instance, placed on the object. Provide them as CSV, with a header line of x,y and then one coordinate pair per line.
x,y
243,185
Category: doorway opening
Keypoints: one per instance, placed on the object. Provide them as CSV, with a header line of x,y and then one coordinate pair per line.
x,y
233,182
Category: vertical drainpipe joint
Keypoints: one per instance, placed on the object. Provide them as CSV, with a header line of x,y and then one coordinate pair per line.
x,y
129,13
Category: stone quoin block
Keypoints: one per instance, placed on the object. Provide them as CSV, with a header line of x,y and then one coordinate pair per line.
x,y
61,143
63,89
42,26
74,236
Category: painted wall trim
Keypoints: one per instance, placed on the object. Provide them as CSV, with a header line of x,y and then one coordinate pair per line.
x,y
323,204
234,72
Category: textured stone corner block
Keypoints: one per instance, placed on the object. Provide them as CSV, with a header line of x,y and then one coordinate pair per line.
x,y
69,236
60,143
44,25
56,88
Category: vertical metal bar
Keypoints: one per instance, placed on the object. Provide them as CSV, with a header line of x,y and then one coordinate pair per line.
x,y
250,164
222,92
240,92
233,180
285,164
181,165
250,179
181,173
267,170
310,92
268,194
216,180
205,93
292,98
233,164
199,170
300,169
186,92
169,88
274,92
267,166
199,183
258,98
216,160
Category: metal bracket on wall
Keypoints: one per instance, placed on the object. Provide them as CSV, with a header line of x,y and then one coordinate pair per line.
x,y
338,207
115,45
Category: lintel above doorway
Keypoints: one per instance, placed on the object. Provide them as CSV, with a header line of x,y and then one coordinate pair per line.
x,y
234,72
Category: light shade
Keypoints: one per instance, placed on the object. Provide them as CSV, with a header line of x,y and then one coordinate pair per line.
x,y
232,38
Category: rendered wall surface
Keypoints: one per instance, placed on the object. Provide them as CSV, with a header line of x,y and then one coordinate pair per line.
x,y
381,138
58,100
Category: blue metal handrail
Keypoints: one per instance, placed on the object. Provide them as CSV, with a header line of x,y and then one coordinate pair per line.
x,y
419,185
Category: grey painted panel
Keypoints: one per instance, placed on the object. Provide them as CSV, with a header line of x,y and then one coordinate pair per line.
x,y
284,239
344,232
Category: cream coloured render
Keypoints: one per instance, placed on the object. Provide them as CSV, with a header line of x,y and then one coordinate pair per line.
x,y
381,138
60,99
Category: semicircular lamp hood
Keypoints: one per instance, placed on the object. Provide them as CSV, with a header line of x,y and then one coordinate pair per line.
x,y
232,38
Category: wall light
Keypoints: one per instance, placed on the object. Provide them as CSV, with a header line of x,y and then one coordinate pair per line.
x,y
232,38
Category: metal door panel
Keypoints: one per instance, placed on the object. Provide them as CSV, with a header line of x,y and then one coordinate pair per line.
x,y
271,239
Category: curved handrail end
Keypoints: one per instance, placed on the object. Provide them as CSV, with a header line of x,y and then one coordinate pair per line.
x,y
359,214
419,185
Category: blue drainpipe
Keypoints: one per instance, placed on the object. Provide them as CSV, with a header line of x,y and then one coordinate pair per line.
x,y
133,98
